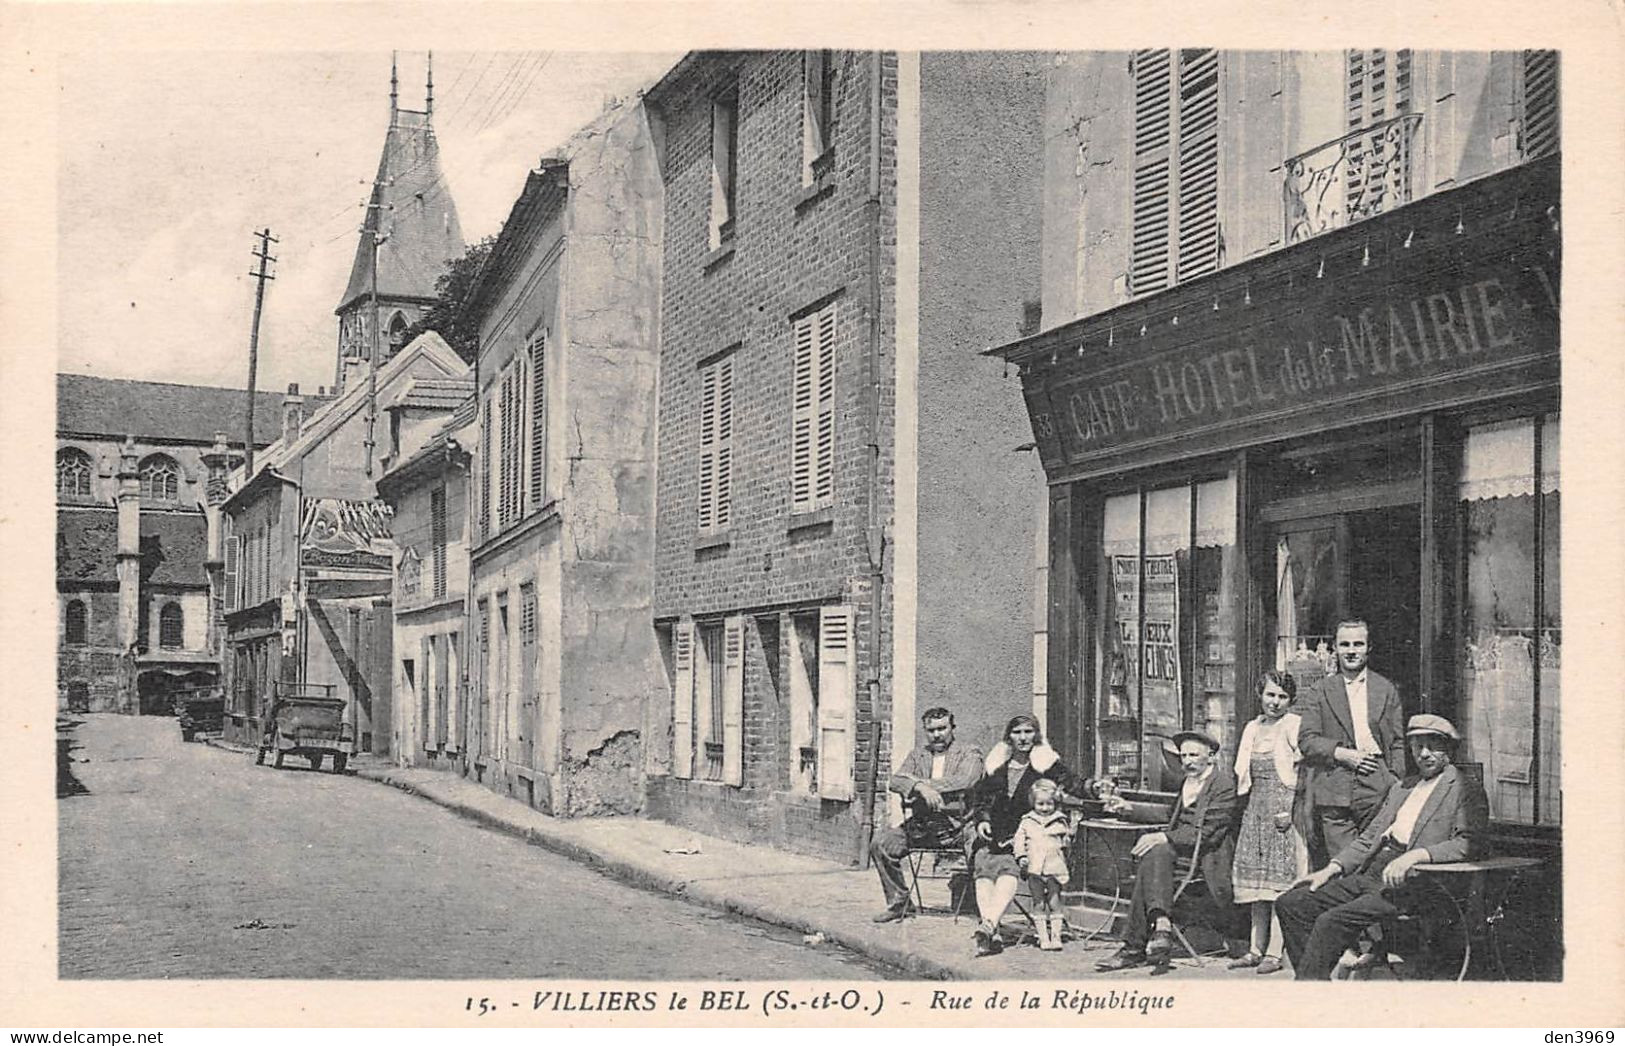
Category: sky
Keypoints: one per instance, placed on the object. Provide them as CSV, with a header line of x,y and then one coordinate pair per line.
x,y
170,162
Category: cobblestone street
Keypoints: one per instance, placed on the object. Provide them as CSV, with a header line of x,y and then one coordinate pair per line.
x,y
184,861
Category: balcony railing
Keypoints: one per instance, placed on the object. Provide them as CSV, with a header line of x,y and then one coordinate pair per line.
x,y
1349,179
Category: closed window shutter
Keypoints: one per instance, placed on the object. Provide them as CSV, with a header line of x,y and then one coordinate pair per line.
x,y
733,701
485,470
837,701
824,476
803,415
229,592
440,647
723,515
1378,89
1540,110
505,489
437,539
1198,171
426,694
538,421
1149,264
708,449
682,700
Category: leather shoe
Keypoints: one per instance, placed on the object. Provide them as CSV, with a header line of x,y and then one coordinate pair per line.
x,y
1270,965
1246,962
1123,959
891,915
987,942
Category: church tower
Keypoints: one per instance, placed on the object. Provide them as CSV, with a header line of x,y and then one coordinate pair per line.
x,y
414,221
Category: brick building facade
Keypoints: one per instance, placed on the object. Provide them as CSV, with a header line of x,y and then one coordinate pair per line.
x,y
790,392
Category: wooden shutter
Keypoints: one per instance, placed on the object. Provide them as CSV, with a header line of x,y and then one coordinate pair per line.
x,y
1198,166
425,685
837,701
815,104
229,592
437,540
1378,88
1539,117
724,444
1149,262
538,420
803,415
682,700
824,475
733,701
708,449
485,470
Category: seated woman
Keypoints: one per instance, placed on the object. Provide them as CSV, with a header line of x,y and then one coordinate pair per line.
x,y
999,802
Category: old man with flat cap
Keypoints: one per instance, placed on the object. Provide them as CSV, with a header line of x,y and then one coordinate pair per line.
x,y
1440,815
1202,825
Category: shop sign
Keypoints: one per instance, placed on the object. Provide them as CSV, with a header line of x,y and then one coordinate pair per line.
x,y
1155,661
1358,352
344,532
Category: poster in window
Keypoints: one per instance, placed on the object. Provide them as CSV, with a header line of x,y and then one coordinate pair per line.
x,y
1158,664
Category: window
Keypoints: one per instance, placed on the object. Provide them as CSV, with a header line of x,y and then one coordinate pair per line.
x,y
75,624
73,473
538,420
817,112
1512,634
724,162
1537,100
708,692
160,479
716,444
812,433
397,332
437,540
804,703
409,688
1166,654
1176,234
171,627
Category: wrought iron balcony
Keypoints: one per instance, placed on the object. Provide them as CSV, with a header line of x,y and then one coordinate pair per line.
x,y
1349,179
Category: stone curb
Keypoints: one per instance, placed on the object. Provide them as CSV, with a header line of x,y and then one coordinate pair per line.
x,y
708,896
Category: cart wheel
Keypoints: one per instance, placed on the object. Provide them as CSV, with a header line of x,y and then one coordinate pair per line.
x,y
316,760
277,761
340,761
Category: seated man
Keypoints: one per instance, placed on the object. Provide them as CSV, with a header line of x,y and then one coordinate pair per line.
x,y
1438,816
1205,813
933,782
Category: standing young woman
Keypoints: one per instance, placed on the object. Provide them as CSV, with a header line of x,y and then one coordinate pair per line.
x,y
1271,853
1000,801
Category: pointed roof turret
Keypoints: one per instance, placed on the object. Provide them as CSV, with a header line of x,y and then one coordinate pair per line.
x,y
411,205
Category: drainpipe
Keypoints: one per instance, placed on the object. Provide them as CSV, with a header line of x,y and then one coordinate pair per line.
x,y
875,533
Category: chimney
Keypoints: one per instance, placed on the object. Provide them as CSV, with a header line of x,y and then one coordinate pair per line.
x,y
293,413
355,369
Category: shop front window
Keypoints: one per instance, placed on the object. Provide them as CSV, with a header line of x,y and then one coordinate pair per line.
x,y
1512,617
1167,644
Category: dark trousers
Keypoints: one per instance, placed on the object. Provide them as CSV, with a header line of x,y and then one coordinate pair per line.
x,y
1318,925
890,848
1153,894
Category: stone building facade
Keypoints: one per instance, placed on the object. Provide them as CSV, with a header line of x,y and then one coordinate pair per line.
x,y
560,657
136,463
832,460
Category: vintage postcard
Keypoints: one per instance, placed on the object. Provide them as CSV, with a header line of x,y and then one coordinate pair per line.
x,y
662,515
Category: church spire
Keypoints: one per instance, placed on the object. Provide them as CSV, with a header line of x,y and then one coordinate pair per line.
x,y
428,104
394,90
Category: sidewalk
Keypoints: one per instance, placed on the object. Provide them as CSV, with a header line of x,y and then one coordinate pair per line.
x,y
802,893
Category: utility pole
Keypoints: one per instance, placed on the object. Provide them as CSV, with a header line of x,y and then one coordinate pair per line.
x,y
264,255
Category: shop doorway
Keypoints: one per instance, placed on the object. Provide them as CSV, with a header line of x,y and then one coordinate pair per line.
x,y
1356,564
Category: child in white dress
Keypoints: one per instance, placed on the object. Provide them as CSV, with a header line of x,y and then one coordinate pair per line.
x,y
1040,848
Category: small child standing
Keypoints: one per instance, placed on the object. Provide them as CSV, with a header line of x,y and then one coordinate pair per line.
x,y
1040,847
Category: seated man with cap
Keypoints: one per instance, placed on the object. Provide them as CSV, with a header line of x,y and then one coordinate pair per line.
x,y
1202,823
1437,816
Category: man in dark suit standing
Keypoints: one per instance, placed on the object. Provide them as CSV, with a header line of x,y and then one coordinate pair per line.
x,y
1202,824
1438,816
1352,735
